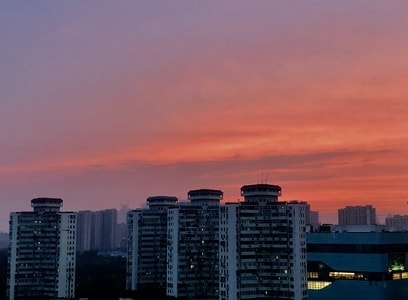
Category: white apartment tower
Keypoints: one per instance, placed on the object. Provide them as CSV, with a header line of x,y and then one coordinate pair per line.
x,y
193,244
42,252
262,252
147,245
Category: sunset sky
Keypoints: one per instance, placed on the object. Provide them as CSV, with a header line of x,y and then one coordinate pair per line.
x,y
104,103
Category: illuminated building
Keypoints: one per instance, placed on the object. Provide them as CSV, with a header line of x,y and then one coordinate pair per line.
x,y
193,244
357,215
42,252
147,245
263,246
357,265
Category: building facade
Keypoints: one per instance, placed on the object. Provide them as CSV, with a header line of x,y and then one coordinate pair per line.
x,y
357,215
42,252
193,245
262,246
357,265
147,245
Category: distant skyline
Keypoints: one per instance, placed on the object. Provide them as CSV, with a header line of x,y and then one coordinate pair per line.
x,y
106,103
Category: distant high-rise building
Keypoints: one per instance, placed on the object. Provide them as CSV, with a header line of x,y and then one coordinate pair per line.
x,y
262,246
42,252
397,223
357,215
121,235
193,245
97,230
122,214
84,230
109,229
312,219
147,245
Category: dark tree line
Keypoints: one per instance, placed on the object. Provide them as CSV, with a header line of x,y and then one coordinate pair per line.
x,y
100,277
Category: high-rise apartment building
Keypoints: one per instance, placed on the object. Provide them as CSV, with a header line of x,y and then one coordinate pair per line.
x,y
255,249
96,230
262,253
42,252
193,245
357,215
147,245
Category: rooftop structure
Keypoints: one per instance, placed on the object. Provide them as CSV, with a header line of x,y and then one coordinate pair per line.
x,y
205,197
41,205
261,193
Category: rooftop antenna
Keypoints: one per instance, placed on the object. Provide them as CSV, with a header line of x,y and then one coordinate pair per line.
x,y
264,179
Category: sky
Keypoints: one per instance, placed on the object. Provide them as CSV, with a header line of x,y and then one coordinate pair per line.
x,y
105,103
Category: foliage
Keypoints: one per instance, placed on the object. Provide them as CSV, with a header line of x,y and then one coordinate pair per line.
x,y
3,273
100,277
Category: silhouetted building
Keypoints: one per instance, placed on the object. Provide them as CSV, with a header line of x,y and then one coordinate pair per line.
x,y
357,265
42,252
263,246
122,214
109,229
312,219
147,245
357,215
193,245
84,230
121,235
397,223
97,230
